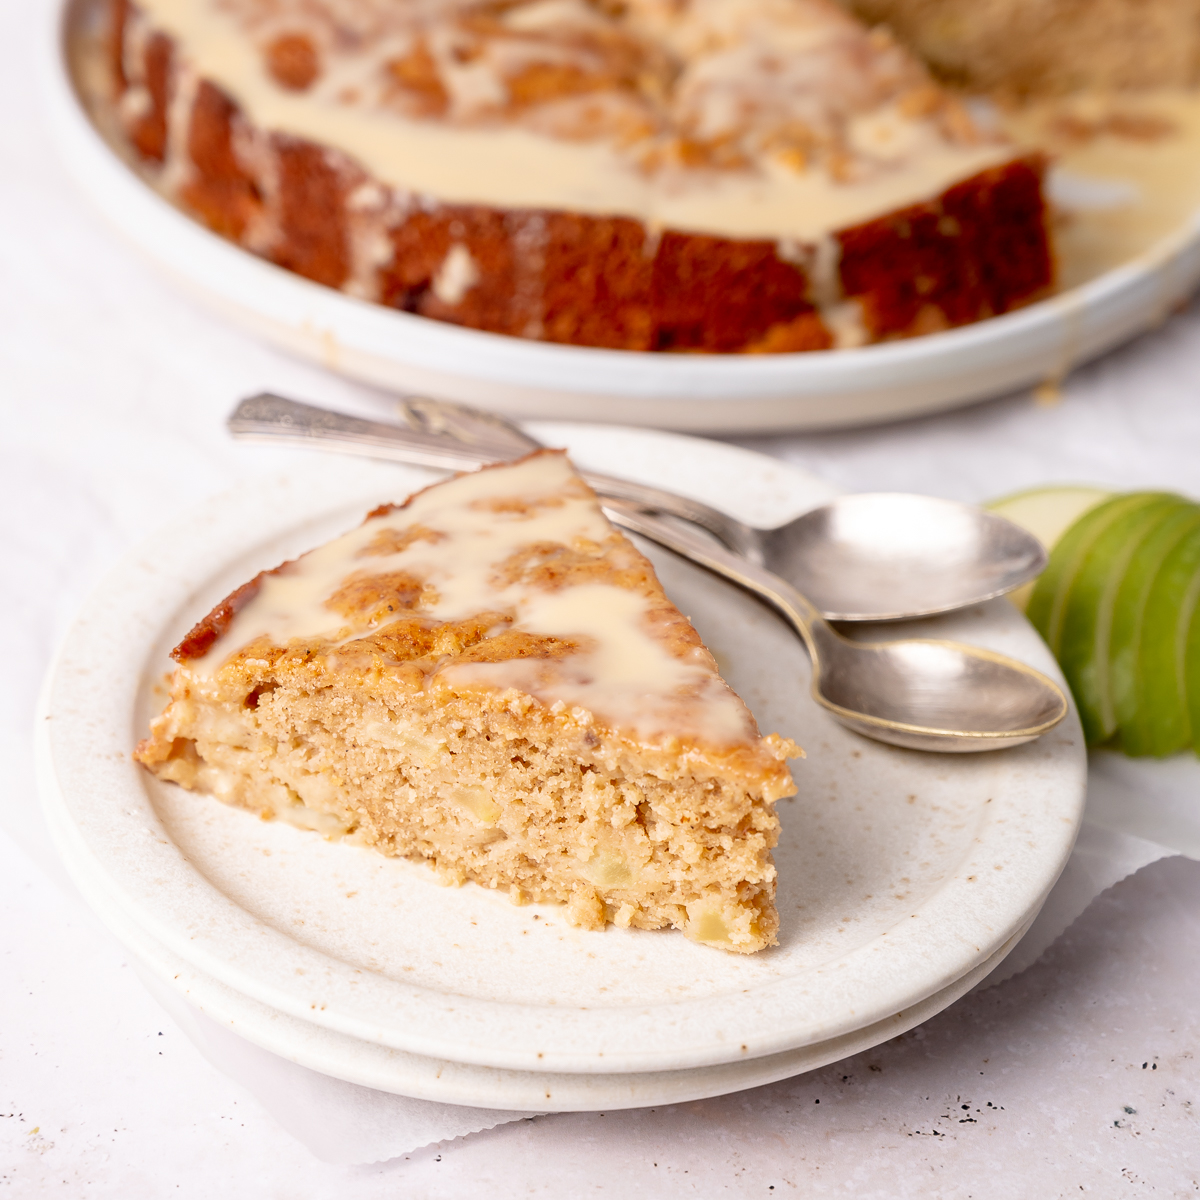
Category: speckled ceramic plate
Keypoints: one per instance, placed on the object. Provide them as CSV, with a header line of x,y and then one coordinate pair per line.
x,y
900,873
177,984
700,392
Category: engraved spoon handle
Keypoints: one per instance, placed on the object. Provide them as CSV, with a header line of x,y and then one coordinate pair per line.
x,y
282,422
452,437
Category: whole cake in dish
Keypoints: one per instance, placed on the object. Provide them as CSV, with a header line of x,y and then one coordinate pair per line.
x,y
690,175
491,678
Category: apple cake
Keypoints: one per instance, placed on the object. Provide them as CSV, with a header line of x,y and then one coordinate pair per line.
x,y
490,677
671,175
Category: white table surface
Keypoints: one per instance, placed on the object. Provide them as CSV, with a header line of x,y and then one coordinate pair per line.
x,y
113,389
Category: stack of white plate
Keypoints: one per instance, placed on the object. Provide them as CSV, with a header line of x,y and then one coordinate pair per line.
x,y
904,878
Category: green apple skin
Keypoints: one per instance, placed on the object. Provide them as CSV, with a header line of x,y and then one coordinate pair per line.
x,y
1148,699
1156,709
1087,608
1047,605
1190,656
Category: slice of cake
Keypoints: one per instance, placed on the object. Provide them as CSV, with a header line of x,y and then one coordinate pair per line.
x,y
490,677
678,175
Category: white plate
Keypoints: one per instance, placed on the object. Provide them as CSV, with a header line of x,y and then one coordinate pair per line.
x,y
699,392
900,873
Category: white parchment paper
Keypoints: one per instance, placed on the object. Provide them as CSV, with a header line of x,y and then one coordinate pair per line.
x,y
339,1122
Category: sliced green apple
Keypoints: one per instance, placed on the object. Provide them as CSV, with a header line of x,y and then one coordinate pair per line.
x,y
1048,604
1190,655
1079,618
1135,639
1047,513
1124,570
1157,721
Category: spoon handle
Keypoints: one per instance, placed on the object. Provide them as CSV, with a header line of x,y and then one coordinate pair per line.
x,y
792,605
282,422
453,437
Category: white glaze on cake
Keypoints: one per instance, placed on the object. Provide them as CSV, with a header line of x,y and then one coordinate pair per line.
x,y
621,673
744,118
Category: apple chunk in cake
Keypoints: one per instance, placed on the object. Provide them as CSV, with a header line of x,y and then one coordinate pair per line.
x,y
490,677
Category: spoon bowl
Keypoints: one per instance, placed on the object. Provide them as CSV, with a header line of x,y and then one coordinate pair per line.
x,y
890,556
926,694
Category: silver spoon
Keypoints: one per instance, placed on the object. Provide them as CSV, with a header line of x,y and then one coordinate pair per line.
x,y
922,693
870,557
